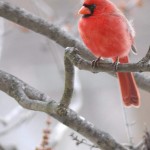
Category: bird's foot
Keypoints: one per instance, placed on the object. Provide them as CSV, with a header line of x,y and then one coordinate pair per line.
x,y
96,62
115,64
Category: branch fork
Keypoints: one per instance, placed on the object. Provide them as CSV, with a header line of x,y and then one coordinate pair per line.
x,y
32,99
105,65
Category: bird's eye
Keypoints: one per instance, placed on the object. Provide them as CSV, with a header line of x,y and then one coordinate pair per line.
x,y
91,7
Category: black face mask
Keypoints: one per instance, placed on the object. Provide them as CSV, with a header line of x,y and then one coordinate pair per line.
x,y
91,8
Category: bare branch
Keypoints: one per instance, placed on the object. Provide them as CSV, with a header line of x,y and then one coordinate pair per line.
x,y
82,141
69,82
35,23
105,66
33,99
41,26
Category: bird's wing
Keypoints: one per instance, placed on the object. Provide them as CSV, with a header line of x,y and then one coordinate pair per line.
x,y
130,30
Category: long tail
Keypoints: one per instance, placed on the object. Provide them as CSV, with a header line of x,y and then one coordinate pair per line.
x,y
129,90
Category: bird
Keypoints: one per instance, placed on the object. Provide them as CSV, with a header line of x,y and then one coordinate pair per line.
x,y
107,33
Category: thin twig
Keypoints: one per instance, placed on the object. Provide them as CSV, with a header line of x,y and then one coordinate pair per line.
x,y
82,141
129,134
69,83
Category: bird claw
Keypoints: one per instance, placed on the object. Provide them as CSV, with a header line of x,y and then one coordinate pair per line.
x,y
96,62
115,64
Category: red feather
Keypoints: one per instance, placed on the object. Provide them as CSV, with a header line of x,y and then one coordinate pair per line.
x,y
108,34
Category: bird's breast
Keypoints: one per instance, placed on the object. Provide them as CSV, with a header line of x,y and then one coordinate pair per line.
x,y
104,36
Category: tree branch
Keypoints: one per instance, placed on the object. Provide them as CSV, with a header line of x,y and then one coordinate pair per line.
x,y
69,82
32,99
41,26
35,23
106,66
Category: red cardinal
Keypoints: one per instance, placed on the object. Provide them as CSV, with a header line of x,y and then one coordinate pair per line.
x,y
108,34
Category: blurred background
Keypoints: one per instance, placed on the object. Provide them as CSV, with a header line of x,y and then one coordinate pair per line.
x,y
39,62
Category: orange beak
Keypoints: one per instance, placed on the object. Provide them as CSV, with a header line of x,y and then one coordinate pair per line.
x,y
84,11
